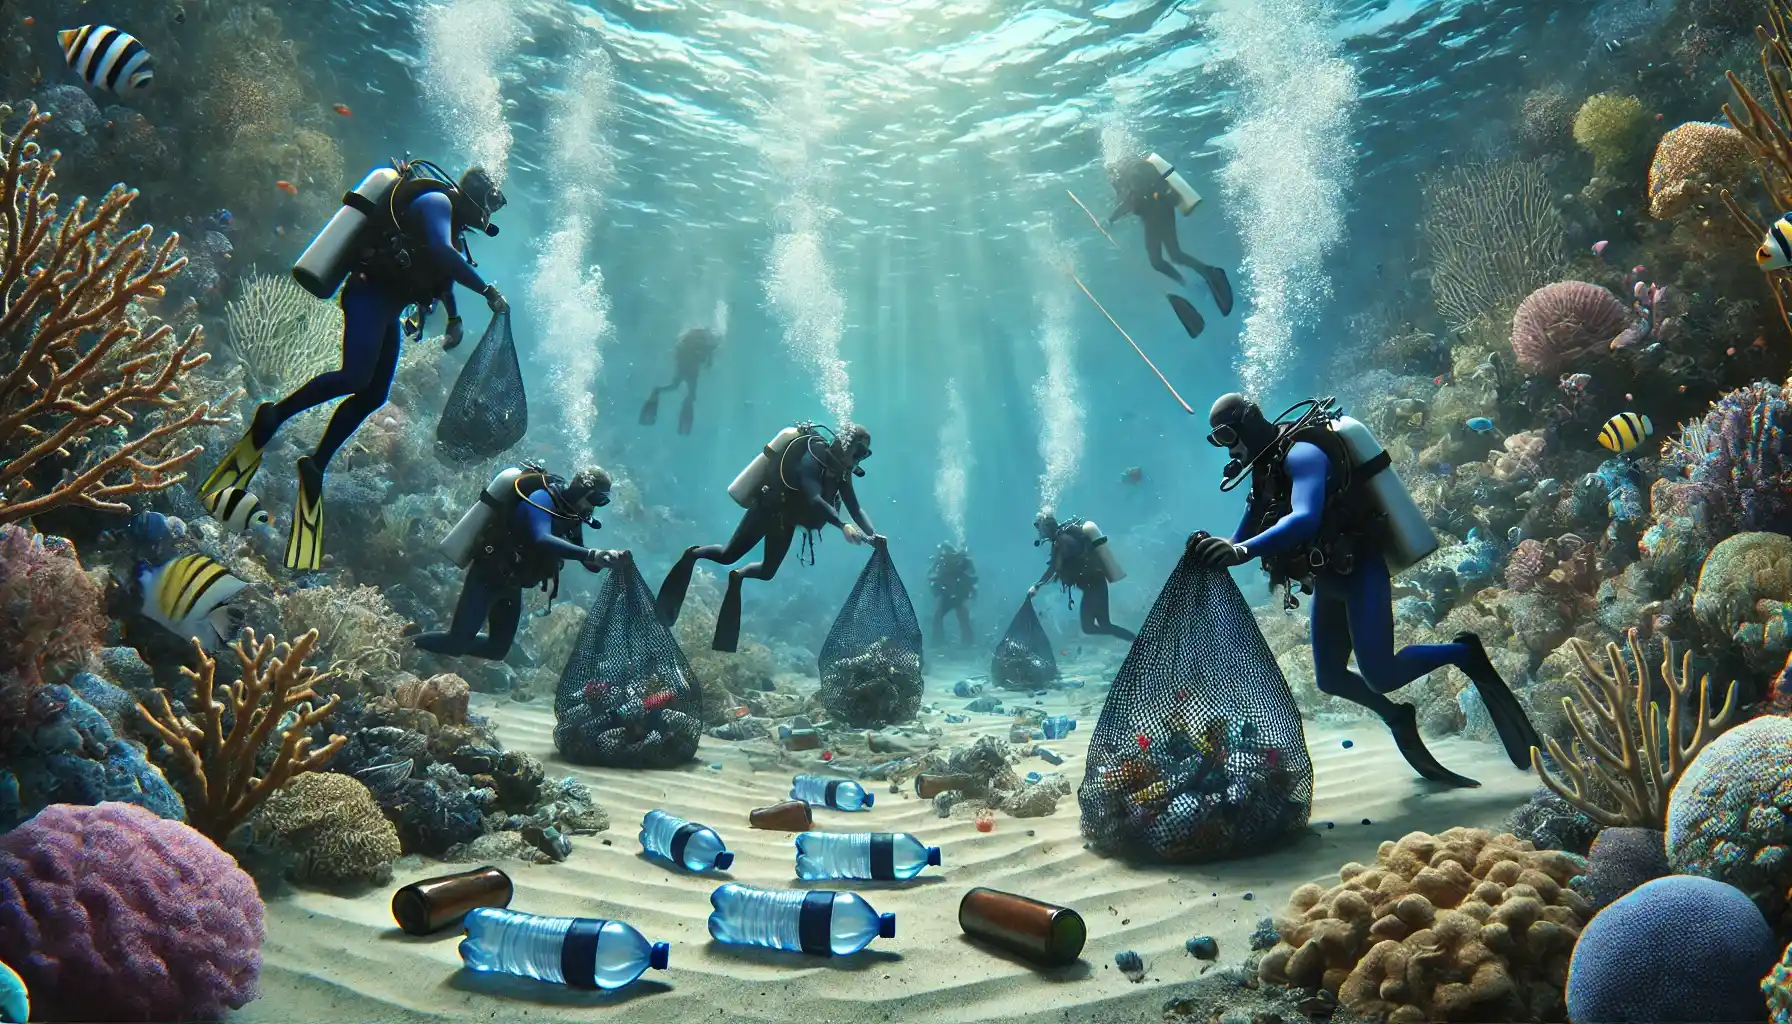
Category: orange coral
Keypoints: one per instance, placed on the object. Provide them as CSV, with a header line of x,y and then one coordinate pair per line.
x,y
1690,161
79,374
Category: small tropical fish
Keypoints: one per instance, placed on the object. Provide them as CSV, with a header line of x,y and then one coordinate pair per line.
x,y
222,218
342,108
107,58
237,509
190,597
1623,432
1479,424
287,187
1132,475
1576,381
151,530
1599,247
30,21
1442,380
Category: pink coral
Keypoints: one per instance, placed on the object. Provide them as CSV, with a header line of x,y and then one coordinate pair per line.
x,y
1528,565
1560,323
52,616
110,913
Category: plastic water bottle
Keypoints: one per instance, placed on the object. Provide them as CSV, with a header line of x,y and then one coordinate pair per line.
x,y
840,794
819,921
582,952
1057,727
879,856
691,846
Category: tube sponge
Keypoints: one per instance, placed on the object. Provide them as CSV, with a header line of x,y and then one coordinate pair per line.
x,y
110,913
1680,948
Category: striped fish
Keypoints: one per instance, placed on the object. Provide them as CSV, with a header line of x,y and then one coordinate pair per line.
x,y
1775,252
237,509
1623,432
190,597
107,58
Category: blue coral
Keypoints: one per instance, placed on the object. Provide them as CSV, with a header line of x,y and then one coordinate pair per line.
x,y
1730,815
1622,860
1680,948
1475,559
74,757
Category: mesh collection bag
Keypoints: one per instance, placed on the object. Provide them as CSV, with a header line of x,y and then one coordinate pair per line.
x,y
487,412
1024,660
1199,752
871,661
627,698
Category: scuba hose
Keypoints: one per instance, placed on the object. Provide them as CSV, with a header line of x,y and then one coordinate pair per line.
x,y
532,469
1317,409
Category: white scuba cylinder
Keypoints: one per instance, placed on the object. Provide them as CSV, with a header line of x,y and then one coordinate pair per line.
x,y
1186,196
327,260
463,540
1104,552
1409,538
745,488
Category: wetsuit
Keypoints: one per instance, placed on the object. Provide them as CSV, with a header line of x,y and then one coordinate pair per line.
x,y
954,582
695,351
1074,565
527,554
1141,190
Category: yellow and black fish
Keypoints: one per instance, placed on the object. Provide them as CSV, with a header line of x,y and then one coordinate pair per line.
x,y
237,509
1623,432
1775,252
107,58
190,597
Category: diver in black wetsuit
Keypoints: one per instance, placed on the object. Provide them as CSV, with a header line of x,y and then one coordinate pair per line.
x,y
954,581
811,478
1140,189
695,351
1073,563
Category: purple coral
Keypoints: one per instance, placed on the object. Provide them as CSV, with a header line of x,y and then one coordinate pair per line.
x,y
1738,451
111,913
52,617
1560,323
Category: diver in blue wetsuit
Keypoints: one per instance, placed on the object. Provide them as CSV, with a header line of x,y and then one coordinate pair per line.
x,y
1313,522
413,254
539,523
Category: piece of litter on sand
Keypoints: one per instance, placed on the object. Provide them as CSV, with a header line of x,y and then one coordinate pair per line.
x,y
1131,964
1202,947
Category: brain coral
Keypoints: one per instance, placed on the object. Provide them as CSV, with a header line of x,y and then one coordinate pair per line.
x,y
1560,323
1680,948
331,827
1622,859
110,913
1612,127
1730,816
1464,925
1691,162
1743,592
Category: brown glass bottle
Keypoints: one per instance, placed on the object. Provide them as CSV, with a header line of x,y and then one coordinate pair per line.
x,y
802,739
437,903
789,816
929,786
1048,935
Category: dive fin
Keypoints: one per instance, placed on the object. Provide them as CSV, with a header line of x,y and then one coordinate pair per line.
x,y
240,466
672,590
1403,722
1514,726
1221,288
305,544
687,414
1190,317
650,410
727,638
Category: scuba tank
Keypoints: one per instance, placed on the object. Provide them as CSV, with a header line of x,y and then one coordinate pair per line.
x,y
1104,552
1186,197
763,469
462,542
1408,537
324,264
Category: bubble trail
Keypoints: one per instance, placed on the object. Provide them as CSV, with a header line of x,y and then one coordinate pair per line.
x,y
952,484
1058,398
465,43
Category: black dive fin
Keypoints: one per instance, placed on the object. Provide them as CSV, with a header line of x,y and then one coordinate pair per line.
x,y
650,410
727,638
1221,287
1190,317
1517,734
672,591
241,465
1403,722
687,414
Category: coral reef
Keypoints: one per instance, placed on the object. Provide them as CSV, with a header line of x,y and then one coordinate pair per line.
x,y
71,755
1691,162
51,620
1561,323
879,687
1464,926
1735,457
1622,859
1495,234
1743,596
1730,817
110,913
1612,127
359,636
444,697
330,828
1766,136
219,765
1676,948
281,334
91,410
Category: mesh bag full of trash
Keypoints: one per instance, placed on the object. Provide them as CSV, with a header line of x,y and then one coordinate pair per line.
x,y
871,661
1199,752
627,698
1024,660
487,412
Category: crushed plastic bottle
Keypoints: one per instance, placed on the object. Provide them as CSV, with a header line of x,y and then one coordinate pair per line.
x,y
580,952
820,921
692,846
878,856
1056,727
822,790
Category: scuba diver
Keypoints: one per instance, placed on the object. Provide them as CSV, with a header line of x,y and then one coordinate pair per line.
x,y
1327,514
525,524
398,240
1080,560
1154,192
695,351
954,581
799,481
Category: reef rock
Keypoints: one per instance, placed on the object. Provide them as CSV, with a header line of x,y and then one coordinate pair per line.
x,y
72,756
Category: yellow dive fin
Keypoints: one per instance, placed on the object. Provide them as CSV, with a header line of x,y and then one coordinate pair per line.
x,y
305,545
239,467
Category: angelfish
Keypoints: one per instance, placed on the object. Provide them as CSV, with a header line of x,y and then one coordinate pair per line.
x,y
106,57
191,597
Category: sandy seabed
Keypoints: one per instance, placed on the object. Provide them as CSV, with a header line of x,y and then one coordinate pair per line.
x,y
329,958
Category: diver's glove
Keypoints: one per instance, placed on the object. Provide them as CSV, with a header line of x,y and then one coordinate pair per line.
x,y
852,533
598,560
451,335
495,299
1220,553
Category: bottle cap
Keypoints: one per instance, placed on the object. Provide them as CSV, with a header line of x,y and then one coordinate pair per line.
x,y
886,926
933,856
724,859
869,797
660,957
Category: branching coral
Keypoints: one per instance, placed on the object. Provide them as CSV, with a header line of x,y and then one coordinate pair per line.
x,y
1766,137
1612,127
82,383
220,765
1690,162
1495,234
1621,737
1566,321
357,630
281,334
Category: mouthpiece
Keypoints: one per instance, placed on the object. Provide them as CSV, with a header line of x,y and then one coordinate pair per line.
x,y
491,231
